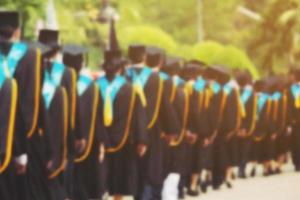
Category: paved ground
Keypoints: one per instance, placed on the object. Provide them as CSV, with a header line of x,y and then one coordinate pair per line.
x,y
280,187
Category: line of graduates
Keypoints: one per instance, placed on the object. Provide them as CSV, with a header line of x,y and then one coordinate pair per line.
x,y
149,126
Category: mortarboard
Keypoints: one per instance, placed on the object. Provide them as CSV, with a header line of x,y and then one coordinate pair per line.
x,y
50,38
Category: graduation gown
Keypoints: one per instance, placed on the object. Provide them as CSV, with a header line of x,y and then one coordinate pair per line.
x,y
27,75
87,183
160,118
248,121
56,128
122,136
176,154
69,83
8,102
262,131
294,122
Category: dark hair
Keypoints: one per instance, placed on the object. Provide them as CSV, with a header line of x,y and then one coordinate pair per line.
x,y
6,32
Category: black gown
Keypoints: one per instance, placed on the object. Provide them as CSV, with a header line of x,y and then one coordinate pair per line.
x,y
121,139
28,78
160,118
69,83
260,134
248,123
294,122
8,101
88,183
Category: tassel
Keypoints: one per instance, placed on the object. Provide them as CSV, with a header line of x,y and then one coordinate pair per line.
x,y
108,118
140,92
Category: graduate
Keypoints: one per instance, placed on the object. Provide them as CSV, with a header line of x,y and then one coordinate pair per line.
x,y
189,73
8,105
68,79
249,105
121,118
160,117
262,127
176,154
23,63
87,182
279,139
224,108
293,120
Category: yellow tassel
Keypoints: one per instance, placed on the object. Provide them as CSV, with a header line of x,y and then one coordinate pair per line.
x,y
140,92
297,102
108,118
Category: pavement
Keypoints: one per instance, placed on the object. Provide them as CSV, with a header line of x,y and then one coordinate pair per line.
x,y
285,186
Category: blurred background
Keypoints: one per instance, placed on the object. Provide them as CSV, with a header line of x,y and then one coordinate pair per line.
x,y
260,35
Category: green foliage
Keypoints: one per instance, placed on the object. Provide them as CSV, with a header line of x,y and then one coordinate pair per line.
x,y
215,53
172,24
149,35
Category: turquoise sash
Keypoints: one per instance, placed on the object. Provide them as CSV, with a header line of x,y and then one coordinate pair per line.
x,y
262,99
84,81
110,89
9,63
51,81
141,78
164,76
177,81
276,96
200,84
246,94
227,88
3,77
216,87
295,89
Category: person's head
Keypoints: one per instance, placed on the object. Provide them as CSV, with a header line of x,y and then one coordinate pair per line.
x,y
199,66
113,62
190,71
136,53
222,74
172,66
154,57
9,26
260,85
243,77
50,38
73,56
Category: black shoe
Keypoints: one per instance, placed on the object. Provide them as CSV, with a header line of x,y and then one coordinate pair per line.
x,y
277,171
253,172
181,194
204,186
216,187
242,174
297,168
228,184
193,193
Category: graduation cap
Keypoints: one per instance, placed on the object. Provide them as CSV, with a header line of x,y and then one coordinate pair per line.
x,y
136,53
73,56
243,77
49,38
222,73
260,85
9,19
173,65
195,66
154,56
